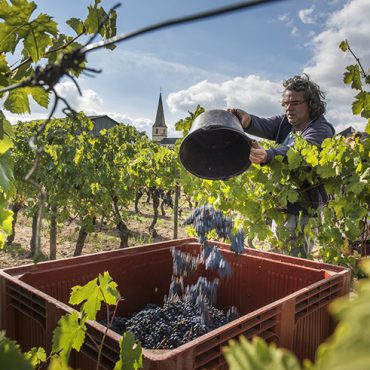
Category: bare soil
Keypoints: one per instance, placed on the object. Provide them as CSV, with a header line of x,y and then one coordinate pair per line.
x,y
104,238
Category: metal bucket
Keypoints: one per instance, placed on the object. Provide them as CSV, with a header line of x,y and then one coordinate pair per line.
x,y
216,146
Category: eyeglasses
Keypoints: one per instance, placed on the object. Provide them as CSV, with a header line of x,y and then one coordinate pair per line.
x,y
285,104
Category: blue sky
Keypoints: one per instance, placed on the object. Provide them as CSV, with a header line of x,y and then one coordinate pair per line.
x,y
236,60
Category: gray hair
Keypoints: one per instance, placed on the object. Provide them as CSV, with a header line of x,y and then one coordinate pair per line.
x,y
312,93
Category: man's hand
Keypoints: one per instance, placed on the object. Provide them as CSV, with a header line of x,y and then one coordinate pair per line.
x,y
257,155
243,117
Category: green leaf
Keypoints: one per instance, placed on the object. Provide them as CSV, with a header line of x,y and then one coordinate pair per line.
x,y
90,294
19,11
92,20
343,45
293,196
5,142
37,36
367,127
258,355
76,24
36,356
57,364
40,96
355,185
23,71
69,333
353,77
4,70
11,356
6,174
5,127
17,101
109,289
357,106
294,159
130,357
349,347
6,219
16,17
8,38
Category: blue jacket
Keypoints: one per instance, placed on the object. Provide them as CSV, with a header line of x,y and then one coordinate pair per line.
x,y
278,128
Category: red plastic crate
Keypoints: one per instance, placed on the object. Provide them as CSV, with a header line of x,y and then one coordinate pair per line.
x,y
280,298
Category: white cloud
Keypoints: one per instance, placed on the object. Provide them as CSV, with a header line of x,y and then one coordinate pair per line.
x,y
294,31
251,93
328,63
91,103
306,15
284,18
261,96
142,124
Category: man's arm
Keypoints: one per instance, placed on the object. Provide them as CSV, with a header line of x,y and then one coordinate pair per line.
x,y
266,128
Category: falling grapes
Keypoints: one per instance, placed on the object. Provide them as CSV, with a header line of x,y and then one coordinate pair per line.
x,y
188,311
205,219
203,293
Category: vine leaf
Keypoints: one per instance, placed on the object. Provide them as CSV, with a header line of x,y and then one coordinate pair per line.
x,y
37,35
89,293
39,95
294,159
17,101
130,357
343,45
57,364
70,333
93,293
11,356
258,355
4,69
109,289
36,356
353,77
349,346
76,24
16,16
6,174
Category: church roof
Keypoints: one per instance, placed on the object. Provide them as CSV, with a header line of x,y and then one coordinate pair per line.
x,y
159,119
169,140
348,131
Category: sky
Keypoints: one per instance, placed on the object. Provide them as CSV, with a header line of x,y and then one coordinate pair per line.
x,y
238,60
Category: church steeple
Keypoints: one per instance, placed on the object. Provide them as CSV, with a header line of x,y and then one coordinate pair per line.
x,y
159,129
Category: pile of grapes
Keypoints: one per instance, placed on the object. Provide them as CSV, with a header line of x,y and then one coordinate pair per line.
x,y
188,311
169,326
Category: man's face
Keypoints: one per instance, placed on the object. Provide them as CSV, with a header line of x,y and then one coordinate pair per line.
x,y
296,109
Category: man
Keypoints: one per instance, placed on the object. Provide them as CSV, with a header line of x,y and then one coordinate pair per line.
x,y
304,105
